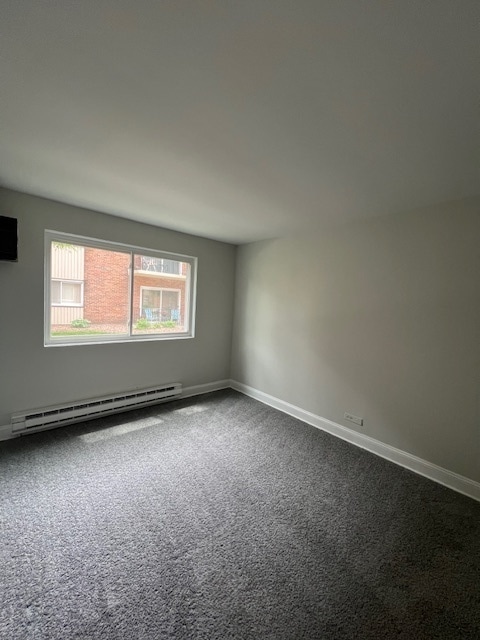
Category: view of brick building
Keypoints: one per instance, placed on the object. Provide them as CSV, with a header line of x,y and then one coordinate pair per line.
x,y
106,286
94,285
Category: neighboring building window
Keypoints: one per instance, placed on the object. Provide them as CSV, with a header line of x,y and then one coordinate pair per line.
x,y
66,293
99,291
160,305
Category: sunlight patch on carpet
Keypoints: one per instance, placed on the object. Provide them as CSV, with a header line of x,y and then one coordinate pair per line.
x,y
119,430
188,411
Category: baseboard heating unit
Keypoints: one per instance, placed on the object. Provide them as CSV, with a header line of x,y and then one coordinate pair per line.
x,y
62,414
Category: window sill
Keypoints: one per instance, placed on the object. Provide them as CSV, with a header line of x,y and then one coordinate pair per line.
x,y
116,340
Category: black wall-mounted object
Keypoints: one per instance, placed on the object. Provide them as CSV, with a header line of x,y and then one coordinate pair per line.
x,y
8,239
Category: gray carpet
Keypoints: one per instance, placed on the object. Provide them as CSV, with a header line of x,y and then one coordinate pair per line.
x,y
218,517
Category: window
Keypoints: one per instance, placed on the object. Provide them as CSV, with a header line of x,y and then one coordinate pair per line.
x,y
160,305
99,291
67,293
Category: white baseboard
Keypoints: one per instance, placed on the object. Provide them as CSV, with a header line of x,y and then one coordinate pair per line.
x,y
413,463
198,389
6,432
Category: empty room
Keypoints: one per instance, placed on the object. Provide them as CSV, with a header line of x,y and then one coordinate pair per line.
x,y
240,320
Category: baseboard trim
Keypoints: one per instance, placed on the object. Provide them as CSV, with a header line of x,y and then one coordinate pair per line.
x,y
449,479
6,432
199,389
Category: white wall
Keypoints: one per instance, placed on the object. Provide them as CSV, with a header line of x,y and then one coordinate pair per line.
x,y
379,318
32,375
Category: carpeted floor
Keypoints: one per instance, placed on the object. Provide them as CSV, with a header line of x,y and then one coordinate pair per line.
x,y
220,518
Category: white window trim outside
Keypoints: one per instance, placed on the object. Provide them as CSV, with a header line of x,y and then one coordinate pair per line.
x,y
190,291
68,304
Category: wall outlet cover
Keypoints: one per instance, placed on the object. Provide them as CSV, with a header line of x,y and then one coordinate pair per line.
x,y
352,418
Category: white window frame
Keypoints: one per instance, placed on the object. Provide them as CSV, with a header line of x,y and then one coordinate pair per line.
x,y
96,243
68,304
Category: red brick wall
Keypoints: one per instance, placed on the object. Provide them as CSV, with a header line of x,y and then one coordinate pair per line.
x,y
106,286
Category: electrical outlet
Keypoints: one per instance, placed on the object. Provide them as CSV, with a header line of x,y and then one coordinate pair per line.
x,y
352,418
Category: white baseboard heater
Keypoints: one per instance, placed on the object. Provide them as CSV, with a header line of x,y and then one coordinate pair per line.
x,y
62,414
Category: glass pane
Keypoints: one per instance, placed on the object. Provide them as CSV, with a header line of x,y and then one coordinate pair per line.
x,y
170,299
55,292
71,292
106,292
160,291
151,298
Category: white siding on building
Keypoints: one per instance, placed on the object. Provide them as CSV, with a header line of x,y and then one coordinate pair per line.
x,y
67,262
65,315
